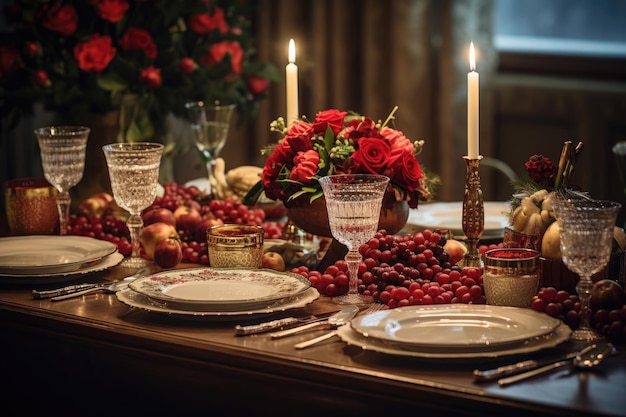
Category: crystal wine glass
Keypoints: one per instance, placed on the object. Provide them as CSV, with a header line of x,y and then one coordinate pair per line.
x,y
353,202
211,124
62,151
134,174
586,235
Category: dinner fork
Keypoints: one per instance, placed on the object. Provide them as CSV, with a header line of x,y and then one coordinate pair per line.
x,y
371,309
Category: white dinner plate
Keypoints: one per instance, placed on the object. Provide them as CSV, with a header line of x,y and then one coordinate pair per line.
x,y
449,216
58,277
137,300
454,326
560,335
27,255
221,289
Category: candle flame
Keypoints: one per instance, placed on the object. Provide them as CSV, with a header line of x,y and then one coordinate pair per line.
x,y
292,51
472,58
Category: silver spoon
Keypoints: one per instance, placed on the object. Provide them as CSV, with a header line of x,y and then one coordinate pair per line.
x,y
587,358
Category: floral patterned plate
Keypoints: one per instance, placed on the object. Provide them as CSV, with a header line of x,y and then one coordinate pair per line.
x,y
221,289
136,300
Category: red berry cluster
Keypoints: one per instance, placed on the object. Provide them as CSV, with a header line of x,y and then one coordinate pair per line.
x,y
560,304
404,270
104,227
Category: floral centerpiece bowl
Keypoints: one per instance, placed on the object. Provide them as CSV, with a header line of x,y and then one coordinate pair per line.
x,y
340,142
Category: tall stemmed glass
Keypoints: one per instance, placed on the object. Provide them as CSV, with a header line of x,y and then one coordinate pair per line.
x,y
353,202
211,124
62,150
586,235
134,174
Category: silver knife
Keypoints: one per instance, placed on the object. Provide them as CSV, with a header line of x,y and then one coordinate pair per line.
x,y
343,315
40,294
516,368
280,324
267,326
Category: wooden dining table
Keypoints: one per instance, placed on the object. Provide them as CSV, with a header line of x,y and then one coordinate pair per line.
x,y
94,355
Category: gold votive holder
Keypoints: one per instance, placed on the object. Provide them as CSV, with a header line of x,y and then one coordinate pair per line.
x,y
511,276
31,208
235,245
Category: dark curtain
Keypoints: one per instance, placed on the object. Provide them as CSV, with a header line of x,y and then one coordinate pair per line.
x,y
371,55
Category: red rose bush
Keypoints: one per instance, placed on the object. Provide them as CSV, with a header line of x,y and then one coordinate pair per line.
x,y
340,142
145,57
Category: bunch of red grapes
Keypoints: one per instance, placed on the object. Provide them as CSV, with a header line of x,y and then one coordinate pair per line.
x,y
104,227
404,270
562,305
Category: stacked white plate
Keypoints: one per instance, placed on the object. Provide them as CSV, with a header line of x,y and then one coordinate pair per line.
x,y
219,293
51,259
449,216
454,331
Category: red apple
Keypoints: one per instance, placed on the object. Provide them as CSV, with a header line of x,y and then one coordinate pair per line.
x,y
168,253
152,234
158,214
187,218
208,220
455,249
273,260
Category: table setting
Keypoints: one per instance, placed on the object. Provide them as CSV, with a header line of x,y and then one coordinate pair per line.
x,y
386,288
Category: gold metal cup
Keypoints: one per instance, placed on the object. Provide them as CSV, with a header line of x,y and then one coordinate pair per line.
x,y
31,207
234,245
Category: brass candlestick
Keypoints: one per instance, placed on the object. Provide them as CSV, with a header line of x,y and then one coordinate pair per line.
x,y
473,212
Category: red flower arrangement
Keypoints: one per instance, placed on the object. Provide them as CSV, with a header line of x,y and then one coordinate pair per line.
x,y
94,56
338,142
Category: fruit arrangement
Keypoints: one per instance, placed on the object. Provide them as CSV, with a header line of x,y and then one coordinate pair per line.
x,y
608,308
405,270
178,218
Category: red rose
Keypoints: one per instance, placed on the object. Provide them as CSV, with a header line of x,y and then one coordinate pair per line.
x,y
60,18
257,85
205,22
218,51
301,129
359,128
188,65
112,10
407,173
398,142
95,54
281,156
328,118
136,39
41,78
372,155
540,169
305,166
151,77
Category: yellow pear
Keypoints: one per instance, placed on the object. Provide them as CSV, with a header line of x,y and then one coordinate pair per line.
x,y
551,242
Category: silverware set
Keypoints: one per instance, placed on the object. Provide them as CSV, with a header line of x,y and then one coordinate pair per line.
x,y
588,357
